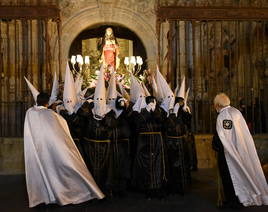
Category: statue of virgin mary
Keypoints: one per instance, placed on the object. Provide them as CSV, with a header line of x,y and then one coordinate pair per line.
x,y
110,50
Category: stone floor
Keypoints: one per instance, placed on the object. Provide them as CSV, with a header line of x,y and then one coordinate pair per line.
x,y
202,197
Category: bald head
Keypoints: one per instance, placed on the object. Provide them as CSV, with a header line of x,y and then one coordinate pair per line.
x,y
221,100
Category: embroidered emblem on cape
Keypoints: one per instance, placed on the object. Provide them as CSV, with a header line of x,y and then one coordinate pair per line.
x,y
227,124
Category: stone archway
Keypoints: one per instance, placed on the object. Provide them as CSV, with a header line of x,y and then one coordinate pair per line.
x,y
94,16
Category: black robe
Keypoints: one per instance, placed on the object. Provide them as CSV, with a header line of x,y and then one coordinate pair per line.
x,y
120,160
97,149
75,125
228,188
149,164
179,174
187,118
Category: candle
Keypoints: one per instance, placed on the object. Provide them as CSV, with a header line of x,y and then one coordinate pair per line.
x,y
126,61
73,59
87,61
133,60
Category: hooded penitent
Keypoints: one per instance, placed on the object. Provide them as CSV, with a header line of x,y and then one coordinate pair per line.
x,y
137,95
100,108
55,90
111,92
33,90
167,95
55,170
69,92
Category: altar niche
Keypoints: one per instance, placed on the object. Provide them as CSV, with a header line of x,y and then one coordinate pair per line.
x,y
87,43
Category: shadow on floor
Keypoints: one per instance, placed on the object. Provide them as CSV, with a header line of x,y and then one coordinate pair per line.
x,y
201,198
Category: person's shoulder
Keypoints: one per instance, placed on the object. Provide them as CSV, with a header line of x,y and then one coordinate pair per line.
x,y
30,109
228,116
35,109
110,113
235,112
29,112
220,116
159,108
233,109
52,115
49,113
52,111
159,111
135,115
40,111
143,111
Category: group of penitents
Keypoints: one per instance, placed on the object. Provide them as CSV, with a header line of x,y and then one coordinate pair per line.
x,y
80,147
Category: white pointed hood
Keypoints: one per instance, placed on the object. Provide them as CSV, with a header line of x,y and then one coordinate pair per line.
x,y
185,106
159,79
111,92
167,95
33,90
55,90
137,94
100,108
69,92
181,92
140,103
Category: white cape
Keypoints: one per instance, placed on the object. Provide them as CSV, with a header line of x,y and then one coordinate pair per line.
x,y
245,169
55,170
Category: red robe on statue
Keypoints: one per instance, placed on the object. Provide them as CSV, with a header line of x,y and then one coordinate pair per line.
x,y
110,53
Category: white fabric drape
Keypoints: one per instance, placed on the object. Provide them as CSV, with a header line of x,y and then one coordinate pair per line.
x,y
245,169
55,170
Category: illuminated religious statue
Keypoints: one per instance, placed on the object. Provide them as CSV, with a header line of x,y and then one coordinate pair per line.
x,y
110,50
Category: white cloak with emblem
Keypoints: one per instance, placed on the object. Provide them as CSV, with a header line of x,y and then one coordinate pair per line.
x,y
55,171
245,169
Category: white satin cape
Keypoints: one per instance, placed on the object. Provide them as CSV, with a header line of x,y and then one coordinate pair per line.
x,y
245,169
55,171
